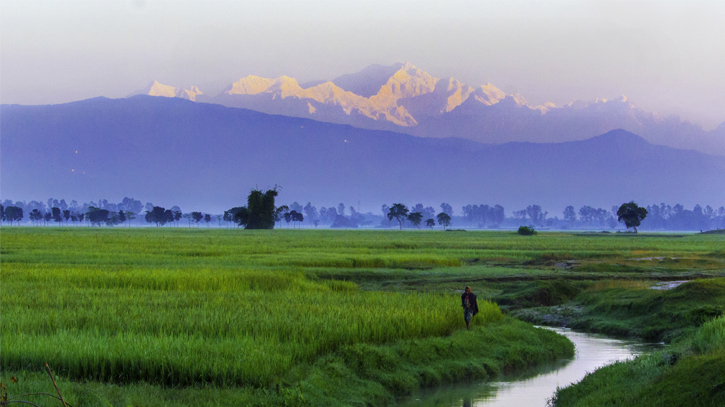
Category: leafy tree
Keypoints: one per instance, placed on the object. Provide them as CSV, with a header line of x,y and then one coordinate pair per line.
x,y
47,217
177,216
130,216
287,217
197,216
520,215
169,216
341,209
398,212
130,205
535,214
385,208
121,217
240,215
97,216
569,214
430,223
415,218
56,213
66,214
586,214
113,219
36,215
261,209
2,213
207,219
280,214
343,222
444,219
311,213
496,215
81,216
297,217
357,217
13,213
631,214
156,215
447,209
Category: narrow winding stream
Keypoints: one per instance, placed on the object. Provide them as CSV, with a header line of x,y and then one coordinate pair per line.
x,y
535,388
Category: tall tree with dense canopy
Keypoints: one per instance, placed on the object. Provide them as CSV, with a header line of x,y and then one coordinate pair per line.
x,y
444,219
197,216
430,223
415,218
240,215
398,212
296,216
631,214
57,215
156,215
260,205
13,213
96,215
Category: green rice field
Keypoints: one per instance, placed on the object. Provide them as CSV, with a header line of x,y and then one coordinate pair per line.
x,y
270,313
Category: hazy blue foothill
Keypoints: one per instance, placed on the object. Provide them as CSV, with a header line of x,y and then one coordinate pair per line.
x,y
196,155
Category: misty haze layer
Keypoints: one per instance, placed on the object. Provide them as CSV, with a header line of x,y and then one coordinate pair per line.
x,y
176,152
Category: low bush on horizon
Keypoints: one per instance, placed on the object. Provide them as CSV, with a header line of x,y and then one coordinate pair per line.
x,y
526,231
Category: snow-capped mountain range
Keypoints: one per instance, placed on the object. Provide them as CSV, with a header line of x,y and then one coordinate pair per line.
x,y
406,99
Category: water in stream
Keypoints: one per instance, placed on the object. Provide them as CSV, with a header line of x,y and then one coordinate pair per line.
x,y
536,387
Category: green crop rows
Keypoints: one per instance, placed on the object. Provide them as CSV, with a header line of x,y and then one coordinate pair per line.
x,y
235,309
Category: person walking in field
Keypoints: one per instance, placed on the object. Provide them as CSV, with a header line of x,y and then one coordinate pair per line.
x,y
470,306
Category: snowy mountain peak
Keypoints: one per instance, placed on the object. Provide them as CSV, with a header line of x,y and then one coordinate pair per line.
x,y
157,89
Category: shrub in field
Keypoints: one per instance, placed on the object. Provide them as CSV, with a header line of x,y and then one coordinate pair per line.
x,y
526,231
710,336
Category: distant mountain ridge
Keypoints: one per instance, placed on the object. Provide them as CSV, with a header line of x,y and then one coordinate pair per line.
x,y
405,99
196,155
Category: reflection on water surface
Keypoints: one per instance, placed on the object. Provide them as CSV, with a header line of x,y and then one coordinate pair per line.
x,y
535,387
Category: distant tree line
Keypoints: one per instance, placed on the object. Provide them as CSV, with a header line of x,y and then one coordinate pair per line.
x,y
130,212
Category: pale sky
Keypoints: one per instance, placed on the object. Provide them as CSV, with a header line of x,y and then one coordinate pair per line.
x,y
666,56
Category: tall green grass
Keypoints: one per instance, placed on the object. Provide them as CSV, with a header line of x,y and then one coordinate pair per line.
x,y
172,323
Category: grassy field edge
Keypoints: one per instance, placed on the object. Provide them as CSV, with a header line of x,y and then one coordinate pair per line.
x,y
355,375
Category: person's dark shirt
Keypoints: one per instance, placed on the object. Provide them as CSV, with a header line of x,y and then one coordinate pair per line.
x,y
471,300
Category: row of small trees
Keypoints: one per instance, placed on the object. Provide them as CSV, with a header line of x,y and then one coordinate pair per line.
x,y
401,213
98,217
663,217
